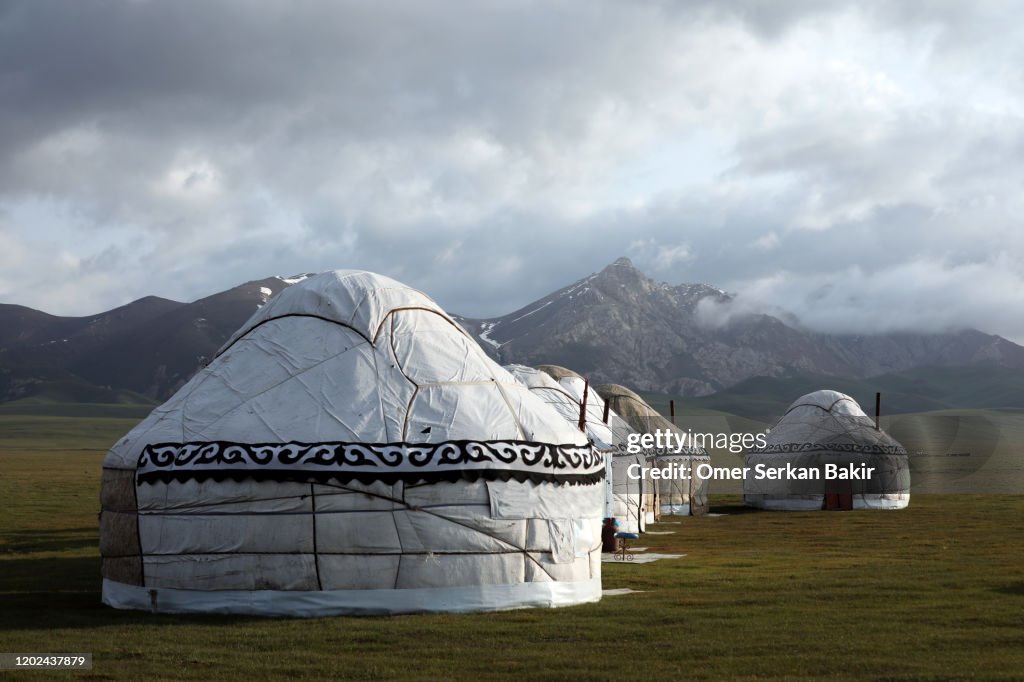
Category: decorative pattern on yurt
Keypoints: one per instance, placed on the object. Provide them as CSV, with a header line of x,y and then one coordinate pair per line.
x,y
351,450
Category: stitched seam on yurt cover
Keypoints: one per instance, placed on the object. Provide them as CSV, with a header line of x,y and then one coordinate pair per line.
x,y
284,315
316,552
440,313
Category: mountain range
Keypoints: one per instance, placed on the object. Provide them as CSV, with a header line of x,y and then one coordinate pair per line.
x,y
616,325
691,340
140,352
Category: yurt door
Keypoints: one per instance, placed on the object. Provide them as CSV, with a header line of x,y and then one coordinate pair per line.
x,y
838,495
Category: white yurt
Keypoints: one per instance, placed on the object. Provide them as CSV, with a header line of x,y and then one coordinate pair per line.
x,y
351,450
676,495
824,433
626,502
630,487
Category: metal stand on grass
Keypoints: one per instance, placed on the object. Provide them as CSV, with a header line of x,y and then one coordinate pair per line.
x,y
623,553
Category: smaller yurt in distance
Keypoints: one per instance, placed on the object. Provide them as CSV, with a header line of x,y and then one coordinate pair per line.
x,y
824,433
628,502
676,495
557,372
577,386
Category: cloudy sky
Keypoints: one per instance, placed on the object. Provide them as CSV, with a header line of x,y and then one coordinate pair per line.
x,y
860,164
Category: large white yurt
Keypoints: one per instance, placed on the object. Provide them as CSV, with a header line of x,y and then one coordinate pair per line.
x,y
827,432
351,450
627,503
676,495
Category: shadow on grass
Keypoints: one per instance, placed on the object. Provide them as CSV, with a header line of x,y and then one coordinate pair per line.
x,y
36,591
62,540
64,593
1013,588
732,509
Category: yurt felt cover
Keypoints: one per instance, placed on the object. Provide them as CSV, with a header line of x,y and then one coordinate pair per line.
x,y
566,396
675,495
635,497
828,427
351,450
557,372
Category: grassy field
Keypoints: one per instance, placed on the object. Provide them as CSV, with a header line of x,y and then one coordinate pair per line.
x,y
935,591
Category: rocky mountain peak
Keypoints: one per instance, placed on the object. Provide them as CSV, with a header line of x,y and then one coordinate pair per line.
x,y
622,268
622,278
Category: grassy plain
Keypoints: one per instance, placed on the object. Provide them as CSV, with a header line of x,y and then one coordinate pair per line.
x,y
935,591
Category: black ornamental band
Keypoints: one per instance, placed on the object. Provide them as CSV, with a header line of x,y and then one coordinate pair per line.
x,y
862,448
371,462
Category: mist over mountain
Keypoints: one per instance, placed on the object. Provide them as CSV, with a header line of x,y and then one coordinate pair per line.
x,y
616,325
619,325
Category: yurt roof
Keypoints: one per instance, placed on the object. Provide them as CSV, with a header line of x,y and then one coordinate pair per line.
x,y
558,372
828,401
634,409
566,396
638,413
563,401
356,360
356,299
828,420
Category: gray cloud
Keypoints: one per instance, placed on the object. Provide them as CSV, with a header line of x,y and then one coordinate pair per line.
x,y
819,157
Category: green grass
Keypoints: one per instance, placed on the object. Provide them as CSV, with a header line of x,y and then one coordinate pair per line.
x,y
76,390
935,591
42,408
40,433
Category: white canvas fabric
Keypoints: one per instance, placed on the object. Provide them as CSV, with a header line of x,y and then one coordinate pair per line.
x,y
629,500
634,498
829,427
351,450
675,495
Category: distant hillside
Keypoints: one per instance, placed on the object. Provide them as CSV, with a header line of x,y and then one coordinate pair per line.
x,y
144,351
77,390
920,389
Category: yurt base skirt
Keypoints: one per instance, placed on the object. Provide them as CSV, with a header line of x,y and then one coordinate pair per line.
x,y
353,602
